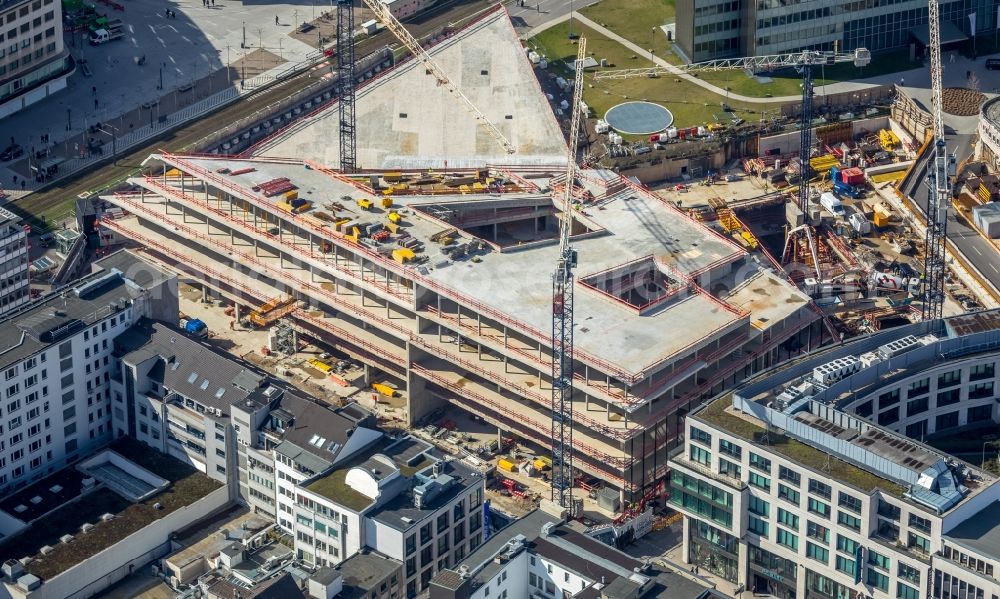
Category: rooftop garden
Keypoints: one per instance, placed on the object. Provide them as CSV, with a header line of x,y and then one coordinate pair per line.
x,y
188,485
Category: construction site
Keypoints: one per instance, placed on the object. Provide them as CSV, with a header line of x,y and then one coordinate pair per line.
x,y
414,255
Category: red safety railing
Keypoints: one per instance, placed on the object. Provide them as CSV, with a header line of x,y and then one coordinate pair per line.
x,y
276,273
522,419
377,354
319,258
338,239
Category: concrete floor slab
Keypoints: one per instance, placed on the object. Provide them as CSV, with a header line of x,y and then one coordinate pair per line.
x,y
406,120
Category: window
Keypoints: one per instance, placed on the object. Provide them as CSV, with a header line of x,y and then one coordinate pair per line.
x,y
727,468
819,488
759,481
947,379
760,463
946,398
921,524
878,560
918,388
948,420
789,475
730,449
915,541
820,554
701,436
845,565
878,580
888,399
757,525
980,413
846,545
701,456
981,371
917,406
852,522
788,494
980,390
849,501
908,573
818,507
758,506
906,592
783,537
817,532
889,416
788,519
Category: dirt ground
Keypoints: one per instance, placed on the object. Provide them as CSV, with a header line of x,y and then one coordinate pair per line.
x,y
247,343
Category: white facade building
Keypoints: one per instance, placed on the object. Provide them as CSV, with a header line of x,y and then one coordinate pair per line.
x,y
58,365
797,487
33,60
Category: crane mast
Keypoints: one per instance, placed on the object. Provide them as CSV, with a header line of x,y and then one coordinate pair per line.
x,y
562,314
938,186
345,86
383,14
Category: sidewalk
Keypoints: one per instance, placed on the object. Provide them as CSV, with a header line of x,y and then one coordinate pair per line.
x,y
955,69
188,58
675,555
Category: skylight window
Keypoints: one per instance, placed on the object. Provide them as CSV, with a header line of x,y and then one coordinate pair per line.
x,y
192,378
204,385
220,392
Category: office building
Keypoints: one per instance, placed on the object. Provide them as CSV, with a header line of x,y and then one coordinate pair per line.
x,y
812,480
15,278
710,29
57,363
34,64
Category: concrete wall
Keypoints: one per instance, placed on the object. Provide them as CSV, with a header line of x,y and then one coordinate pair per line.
x,y
121,559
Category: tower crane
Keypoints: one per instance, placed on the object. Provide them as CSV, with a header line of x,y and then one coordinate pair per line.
x,y
345,85
803,62
938,185
383,14
562,313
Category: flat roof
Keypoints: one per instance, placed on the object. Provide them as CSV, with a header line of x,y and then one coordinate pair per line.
x,y
363,571
981,532
50,319
188,486
406,120
632,226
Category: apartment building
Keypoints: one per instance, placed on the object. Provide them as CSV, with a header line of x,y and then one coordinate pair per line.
x,y
33,60
454,307
15,278
791,487
57,363
397,497
540,556
710,29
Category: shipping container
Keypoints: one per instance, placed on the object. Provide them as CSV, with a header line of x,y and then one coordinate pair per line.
x,y
506,465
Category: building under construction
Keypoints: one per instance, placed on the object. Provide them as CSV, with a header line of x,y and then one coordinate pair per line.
x,y
441,284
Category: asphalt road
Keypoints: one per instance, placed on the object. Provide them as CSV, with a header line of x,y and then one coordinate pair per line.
x,y
969,242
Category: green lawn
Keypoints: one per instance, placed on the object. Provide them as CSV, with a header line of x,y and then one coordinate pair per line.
x,y
690,104
635,20
787,82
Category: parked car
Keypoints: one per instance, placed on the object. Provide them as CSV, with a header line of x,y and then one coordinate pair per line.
x,y
11,152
